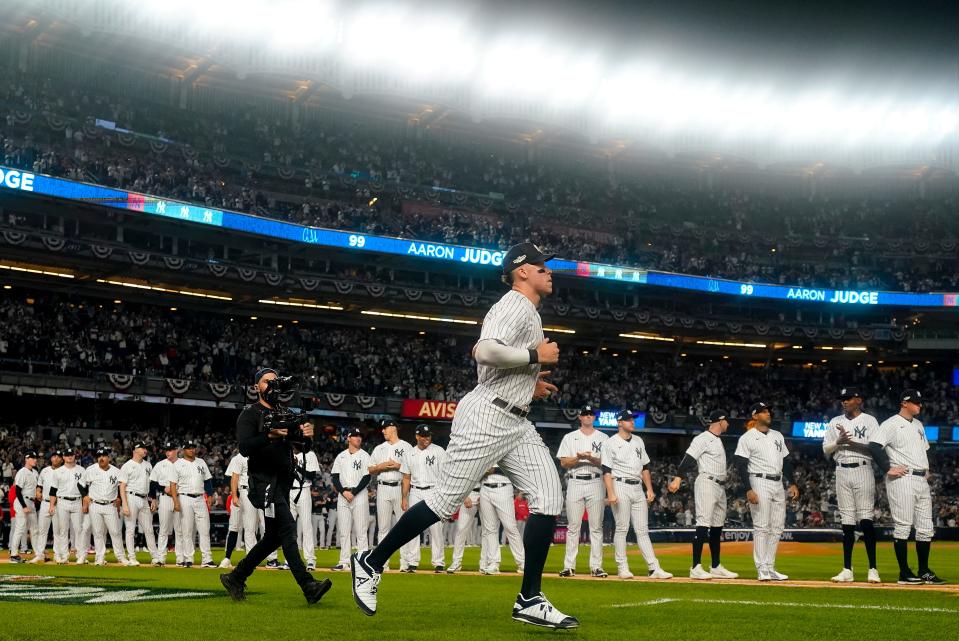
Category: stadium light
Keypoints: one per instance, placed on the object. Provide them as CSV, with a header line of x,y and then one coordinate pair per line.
x,y
295,303
647,337
435,319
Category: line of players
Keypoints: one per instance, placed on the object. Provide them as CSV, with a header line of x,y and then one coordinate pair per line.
x,y
600,470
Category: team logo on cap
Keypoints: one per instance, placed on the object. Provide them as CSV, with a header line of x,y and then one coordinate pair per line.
x,y
843,391
519,259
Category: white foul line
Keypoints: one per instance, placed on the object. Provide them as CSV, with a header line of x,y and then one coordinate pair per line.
x,y
789,604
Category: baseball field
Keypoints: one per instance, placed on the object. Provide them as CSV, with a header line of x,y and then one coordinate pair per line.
x,y
46,601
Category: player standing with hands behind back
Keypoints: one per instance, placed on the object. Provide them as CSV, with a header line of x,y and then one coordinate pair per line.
x,y
490,429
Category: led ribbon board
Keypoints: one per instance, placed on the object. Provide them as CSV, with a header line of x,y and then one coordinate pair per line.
x,y
22,181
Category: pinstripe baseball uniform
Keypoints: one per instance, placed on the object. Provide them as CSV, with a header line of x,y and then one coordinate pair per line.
x,y
302,507
352,516
136,476
490,428
910,499
584,492
170,521
389,491
66,480
709,494
25,522
855,480
103,489
424,469
45,521
194,513
625,459
496,506
464,524
765,452
249,518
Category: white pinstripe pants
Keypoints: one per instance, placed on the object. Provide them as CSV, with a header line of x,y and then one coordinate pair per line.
x,y
170,523
464,524
710,500
496,506
910,502
769,520
583,495
631,506
437,540
45,524
855,493
139,513
68,517
389,509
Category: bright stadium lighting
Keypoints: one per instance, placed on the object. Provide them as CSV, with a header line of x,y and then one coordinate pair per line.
x,y
298,26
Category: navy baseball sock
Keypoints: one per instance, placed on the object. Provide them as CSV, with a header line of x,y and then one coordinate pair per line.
x,y
922,551
698,540
902,555
848,541
869,538
715,536
411,524
537,538
231,538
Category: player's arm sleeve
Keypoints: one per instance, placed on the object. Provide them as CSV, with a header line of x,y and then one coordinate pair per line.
x,y
498,355
879,456
741,464
362,484
53,490
84,490
686,466
18,493
154,489
249,436
312,463
208,486
335,479
788,471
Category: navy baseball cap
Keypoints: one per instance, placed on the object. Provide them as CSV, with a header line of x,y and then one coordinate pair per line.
x,y
524,254
587,410
30,454
140,444
57,453
758,408
911,395
170,445
423,430
189,445
355,432
626,415
68,452
262,372
386,422
718,415
102,451
849,392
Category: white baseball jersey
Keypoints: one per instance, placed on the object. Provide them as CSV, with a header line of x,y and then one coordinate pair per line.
x,y
575,442
764,451
136,476
27,480
163,472
514,322
425,464
45,481
351,467
190,475
496,479
625,458
708,452
102,485
312,465
399,452
239,465
905,442
860,430
67,480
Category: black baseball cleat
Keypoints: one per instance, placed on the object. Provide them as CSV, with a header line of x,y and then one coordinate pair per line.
x,y
439,569
366,580
234,586
410,569
908,578
314,590
272,565
539,611
599,573
567,572
188,564
929,577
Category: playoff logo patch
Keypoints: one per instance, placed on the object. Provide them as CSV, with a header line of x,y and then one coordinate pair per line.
x,y
85,591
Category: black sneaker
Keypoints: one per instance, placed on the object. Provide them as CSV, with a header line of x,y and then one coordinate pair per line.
x,y
908,578
929,577
315,590
188,564
439,569
567,572
410,569
274,564
599,573
208,564
16,559
234,586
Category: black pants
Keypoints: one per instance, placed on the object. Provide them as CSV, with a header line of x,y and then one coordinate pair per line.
x,y
280,532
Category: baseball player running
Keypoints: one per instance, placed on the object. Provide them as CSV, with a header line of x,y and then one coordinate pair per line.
x,y
579,453
761,458
706,452
490,429
46,515
191,481
164,473
625,465
425,461
464,523
496,507
65,501
901,449
847,442
389,464
350,477
100,490
305,468
25,491
138,503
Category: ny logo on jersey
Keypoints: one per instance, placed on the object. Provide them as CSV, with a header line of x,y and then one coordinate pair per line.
x,y
356,465
597,447
921,434
77,476
199,468
779,446
860,432
430,460
639,452
113,480
398,453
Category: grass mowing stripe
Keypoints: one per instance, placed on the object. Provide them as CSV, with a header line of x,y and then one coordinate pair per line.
x,y
787,604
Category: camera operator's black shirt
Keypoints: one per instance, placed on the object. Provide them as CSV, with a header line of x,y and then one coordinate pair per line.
x,y
266,456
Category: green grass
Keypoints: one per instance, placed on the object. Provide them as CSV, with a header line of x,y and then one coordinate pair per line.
x,y
428,606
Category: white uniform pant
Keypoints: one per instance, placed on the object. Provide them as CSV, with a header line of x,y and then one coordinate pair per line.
x,y
25,524
484,436
69,523
249,520
332,526
496,506
319,527
104,519
352,520
195,519
584,496
170,523
84,541
631,507
910,502
139,513
302,512
855,493
710,500
438,551
45,523
389,509
463,526
769,519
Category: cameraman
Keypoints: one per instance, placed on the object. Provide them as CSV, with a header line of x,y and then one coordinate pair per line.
x,y
270,463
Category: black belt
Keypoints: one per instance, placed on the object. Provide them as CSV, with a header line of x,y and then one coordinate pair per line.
x,y
244,487
715,479
422,487
390,483
192,496
69,498
628,481
496,485
585,477
142,496
859,464
512,409
768,477
476,489
103,502
918,472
